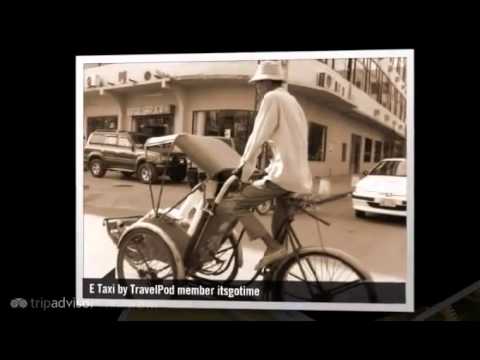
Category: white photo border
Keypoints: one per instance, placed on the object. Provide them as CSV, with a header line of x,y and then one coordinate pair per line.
x,y
408,306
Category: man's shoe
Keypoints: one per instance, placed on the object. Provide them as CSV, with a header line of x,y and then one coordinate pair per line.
x,y
271,256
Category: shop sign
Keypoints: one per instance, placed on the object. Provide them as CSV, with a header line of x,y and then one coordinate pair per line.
x,y
164,109
149,110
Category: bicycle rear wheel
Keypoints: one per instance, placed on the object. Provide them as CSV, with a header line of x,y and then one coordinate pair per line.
x,y
320,276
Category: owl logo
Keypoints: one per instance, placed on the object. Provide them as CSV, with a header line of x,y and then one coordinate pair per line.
x,y
18,303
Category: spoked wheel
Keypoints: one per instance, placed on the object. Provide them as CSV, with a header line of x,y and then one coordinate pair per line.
x,y
320,276
143,254
224,266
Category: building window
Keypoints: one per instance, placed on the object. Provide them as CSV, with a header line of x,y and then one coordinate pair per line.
x,y
344,152
124,142
367,155
237,124
375,81
154,125
378,151
342,67
395,103
317,142
111,140
399,66
350,69
387,149
101,123
360,74
97,139
386,92
404,108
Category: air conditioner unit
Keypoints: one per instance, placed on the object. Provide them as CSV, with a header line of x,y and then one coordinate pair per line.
x,y
90,82
122,77
160,74
98,80
94,81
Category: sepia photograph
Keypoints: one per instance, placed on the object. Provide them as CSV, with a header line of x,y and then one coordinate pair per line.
x,y
246,180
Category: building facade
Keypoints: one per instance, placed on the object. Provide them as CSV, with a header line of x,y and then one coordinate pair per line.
x,y
356,107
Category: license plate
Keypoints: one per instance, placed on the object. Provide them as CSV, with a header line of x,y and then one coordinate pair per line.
x,y
388,203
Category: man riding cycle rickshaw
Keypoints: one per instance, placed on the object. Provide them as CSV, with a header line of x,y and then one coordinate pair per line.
x,y
198,237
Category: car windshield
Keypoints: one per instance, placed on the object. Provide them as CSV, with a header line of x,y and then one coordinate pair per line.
x,y
139,139
390,168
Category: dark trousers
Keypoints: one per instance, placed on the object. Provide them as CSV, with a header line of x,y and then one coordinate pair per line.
x,y
237,207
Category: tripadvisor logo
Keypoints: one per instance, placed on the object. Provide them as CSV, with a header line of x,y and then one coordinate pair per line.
x,y
45,304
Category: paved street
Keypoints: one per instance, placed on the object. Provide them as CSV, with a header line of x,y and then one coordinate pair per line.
x,y
378,243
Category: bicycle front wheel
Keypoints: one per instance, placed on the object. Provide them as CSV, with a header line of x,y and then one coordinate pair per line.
x,y
320,276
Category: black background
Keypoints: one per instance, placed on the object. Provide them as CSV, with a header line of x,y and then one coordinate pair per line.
x,y
39,148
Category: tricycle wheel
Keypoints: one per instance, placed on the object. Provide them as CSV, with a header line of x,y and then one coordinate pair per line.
x,y
143,254
224,266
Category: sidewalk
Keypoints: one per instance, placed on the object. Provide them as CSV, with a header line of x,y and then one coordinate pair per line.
x,y
332,187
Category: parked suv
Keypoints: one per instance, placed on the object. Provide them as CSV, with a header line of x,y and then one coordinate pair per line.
x,y
124,151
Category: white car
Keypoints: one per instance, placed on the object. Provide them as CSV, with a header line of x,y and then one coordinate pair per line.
x,y
383,190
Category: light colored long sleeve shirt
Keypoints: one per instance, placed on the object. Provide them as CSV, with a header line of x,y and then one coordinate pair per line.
x,y
282,123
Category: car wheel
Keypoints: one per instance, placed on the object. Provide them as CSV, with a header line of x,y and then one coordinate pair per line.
x,y
97,168
147,173
360,214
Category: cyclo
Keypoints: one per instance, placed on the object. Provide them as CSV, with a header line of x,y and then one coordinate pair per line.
x,y
168,243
